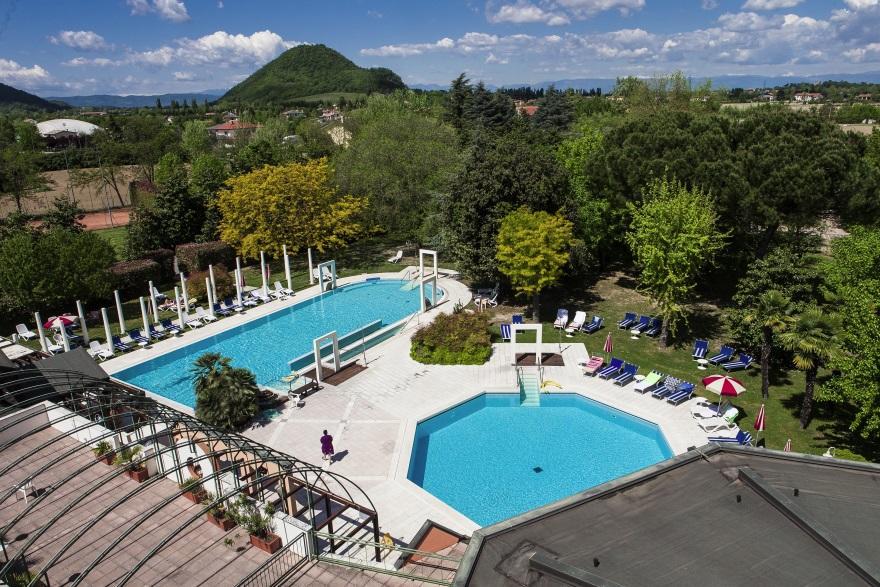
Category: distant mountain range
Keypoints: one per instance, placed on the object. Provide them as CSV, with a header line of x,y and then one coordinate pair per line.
x,y
720,81
135,101
14,98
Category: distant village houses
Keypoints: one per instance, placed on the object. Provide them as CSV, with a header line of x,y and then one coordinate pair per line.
x,y
524,108
331,115
863,98
230,130
292,114
808,97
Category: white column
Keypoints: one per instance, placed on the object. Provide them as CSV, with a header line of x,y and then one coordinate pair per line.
x,y
263,273
183,291
119,312
179,310
41,332
146,333
153,303
238,286
287,268
65,341
213,283
210,296
82,321
311,269
107,332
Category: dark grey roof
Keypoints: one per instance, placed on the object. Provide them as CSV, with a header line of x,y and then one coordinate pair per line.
x,y
76,361
713,516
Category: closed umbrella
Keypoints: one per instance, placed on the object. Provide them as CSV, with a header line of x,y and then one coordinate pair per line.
x,y
210,296
609,345
154,306
287,268
787,447
179,309
263,271
239,285
119,312
42,333
81,313
213,283
144,316
183,292
65,341
107,332
760,420
724,386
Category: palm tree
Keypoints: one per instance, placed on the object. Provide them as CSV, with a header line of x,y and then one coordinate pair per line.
x,y
813,339
226,396
773,314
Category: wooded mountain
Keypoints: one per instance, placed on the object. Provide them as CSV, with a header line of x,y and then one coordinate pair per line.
x,y
11,97
137,101
308,70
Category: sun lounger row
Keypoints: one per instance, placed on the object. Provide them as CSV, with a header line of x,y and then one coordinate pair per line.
x,y
578,324
724,358
673,390
644,324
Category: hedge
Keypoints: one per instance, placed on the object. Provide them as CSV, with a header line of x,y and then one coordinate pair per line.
x,y
453,339
165,259
131,277
193,257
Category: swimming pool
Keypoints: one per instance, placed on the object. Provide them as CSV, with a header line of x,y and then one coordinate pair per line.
x,y
490,458
265,345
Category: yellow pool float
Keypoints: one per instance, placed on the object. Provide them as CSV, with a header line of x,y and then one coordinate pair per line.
x,y
550,383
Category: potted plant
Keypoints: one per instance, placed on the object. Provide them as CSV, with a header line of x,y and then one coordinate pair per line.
x,y
127,458
192,489
258,524
104,452
217,513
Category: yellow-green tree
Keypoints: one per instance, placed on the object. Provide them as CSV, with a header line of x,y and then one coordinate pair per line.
x,y
293,204
532,249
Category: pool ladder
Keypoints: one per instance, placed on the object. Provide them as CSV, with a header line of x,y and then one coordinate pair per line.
x,y
529,388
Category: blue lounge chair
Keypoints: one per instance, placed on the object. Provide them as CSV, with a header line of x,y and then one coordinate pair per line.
x,y
668,388
742,437
221,311
701,349
612,369
682,394
644,322
628,320
626,375
505,332
119,345
743,363
593,326
517,318
170,326
723,355
655,327
155,333
561,318
138,337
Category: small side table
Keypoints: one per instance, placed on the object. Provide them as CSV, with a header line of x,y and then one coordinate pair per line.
x,y
639,377
635,333
701,364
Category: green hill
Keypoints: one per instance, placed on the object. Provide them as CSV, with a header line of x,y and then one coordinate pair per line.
x,y
13,98
308,70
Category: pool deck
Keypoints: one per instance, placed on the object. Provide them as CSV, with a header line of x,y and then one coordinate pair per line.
x,y
373,415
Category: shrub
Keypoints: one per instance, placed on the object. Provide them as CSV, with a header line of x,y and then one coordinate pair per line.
x,y
453,339
226,396
197,256
222,279
247,514
165,259
131,277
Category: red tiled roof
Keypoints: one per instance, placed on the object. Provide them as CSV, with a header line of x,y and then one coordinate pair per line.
x,y
233,125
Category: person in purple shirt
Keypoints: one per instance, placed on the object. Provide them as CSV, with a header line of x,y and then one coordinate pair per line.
x,y
327,447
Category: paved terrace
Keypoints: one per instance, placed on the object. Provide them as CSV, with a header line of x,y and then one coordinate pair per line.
x,y
373,416
198,556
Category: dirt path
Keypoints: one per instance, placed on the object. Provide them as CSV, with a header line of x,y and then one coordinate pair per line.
x,y
99,220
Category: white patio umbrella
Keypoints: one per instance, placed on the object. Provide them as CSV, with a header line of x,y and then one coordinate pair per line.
x,y
153,305
238,287
311,269
41,332
287,268
65,341
183,291
213,283
119,312
179,309
263,273
107,332
82,321
145,317
210,297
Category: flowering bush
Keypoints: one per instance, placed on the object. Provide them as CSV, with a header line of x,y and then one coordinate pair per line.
x,y
453,339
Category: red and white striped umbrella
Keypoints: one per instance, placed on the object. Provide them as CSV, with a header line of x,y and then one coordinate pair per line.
x,y
609,346
59,321
724,385
760,420
787,447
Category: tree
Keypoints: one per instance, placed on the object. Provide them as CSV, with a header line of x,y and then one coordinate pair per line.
x,y
813,338
460,92
555,113
292,204
226,396
489,111
195,138
673,236
180,212
206,178
65,214
772,314
19,169
532,249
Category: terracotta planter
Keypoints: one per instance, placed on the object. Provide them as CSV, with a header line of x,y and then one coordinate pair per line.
x,y
223,522
195,496
270,544
107,459
139,475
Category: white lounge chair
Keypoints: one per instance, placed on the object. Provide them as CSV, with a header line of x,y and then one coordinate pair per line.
x,y
259,296
55,345
204,316
396,258
280,292
98,351
715,425
23,332
705,409
579,319
160,297
192,321
328,276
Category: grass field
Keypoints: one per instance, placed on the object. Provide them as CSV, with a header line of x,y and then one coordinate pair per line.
x,y
116,237
612,296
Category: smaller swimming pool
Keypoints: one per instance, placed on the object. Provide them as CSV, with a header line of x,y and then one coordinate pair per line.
x,y
491,459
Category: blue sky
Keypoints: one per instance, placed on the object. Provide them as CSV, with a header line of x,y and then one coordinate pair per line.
x,y
66,47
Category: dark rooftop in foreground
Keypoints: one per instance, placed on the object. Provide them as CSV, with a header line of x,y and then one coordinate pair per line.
x,y
713,516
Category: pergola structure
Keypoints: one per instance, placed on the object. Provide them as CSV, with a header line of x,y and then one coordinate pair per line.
x,y
427,278
537,329
331,265
50,421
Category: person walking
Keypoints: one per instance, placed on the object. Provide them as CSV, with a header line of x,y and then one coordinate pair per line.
x,y
327,447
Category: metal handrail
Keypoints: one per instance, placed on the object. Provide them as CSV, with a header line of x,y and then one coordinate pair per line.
x,y
279,566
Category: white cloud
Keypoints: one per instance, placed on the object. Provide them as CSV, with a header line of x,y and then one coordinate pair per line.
x,y
85,62
11,72
524,12
709,4
83,40
588,8
173,10
770,4
493,59
859,54
748,21
861,4
184,76
409,49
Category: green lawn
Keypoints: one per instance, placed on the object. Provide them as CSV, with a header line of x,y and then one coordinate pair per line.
x,y
612,297
116,237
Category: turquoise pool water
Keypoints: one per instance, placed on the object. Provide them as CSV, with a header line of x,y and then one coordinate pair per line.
x,y
491,459
267,344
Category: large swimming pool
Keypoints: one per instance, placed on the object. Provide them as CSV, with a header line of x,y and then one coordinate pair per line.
x,y
265,345
491,459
